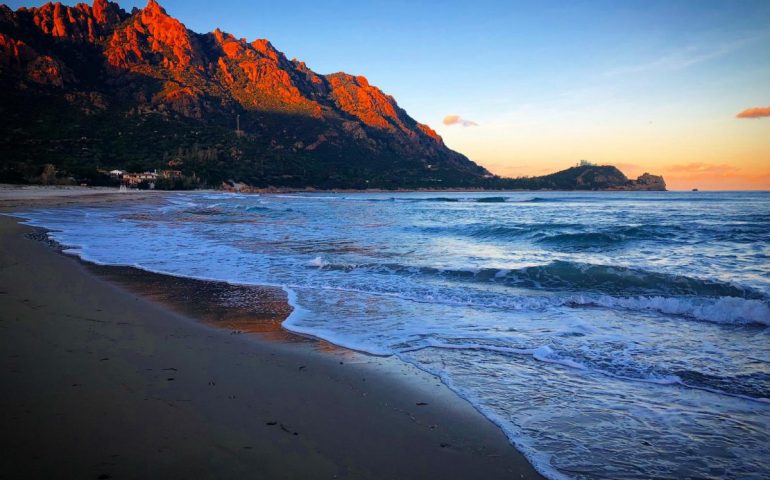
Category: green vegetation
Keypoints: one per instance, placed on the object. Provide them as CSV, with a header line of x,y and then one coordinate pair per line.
x,y
45,129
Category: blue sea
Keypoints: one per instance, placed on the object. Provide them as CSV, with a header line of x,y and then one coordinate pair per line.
x,y
613,335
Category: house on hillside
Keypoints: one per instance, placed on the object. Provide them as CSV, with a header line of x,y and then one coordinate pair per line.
x,y
170,173
134,179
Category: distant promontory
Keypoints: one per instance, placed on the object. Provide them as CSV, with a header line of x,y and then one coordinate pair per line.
x,y
587,176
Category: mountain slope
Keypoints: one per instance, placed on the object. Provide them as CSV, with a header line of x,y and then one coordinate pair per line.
x,y
95,87
585,176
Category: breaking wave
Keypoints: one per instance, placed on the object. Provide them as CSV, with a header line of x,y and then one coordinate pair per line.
x,y
750,387
573,276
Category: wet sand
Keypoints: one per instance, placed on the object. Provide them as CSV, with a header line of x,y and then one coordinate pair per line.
x,y
14,197
116,373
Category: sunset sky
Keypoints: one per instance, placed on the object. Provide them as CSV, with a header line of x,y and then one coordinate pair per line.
x,y
534,87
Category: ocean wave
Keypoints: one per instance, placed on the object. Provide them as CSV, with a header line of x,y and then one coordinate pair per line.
x,y
318,262
434,199
543,200
569,276
485,231
257,208
560,236
447,199
227,195
566,275
491,200
300,196
584,241
578,237
749,387
612,237
581,285
726,310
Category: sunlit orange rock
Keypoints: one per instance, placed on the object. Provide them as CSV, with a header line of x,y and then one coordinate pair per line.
x,y
152,35
191,72
266,48
185,100
430,132
41,69
15,53
225,70
46,70
355,96
81,22
107,13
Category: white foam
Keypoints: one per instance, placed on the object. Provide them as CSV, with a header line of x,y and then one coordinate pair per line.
x,y
546,354
317,262
727,310
538,458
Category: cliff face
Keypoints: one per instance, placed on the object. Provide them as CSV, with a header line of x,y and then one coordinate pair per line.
x,y
648,182
142,89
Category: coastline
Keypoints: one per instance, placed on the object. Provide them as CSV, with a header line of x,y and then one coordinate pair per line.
x,y
105,377
70,195
14,197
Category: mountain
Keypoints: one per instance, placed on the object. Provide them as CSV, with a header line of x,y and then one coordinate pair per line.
x,y
93,87
587,176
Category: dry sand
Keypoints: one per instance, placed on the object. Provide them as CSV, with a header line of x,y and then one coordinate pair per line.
x,y
100,381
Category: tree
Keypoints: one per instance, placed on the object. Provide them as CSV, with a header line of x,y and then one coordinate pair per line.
x,y
48,176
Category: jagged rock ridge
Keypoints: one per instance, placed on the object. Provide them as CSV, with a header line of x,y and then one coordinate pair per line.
x,y
141,88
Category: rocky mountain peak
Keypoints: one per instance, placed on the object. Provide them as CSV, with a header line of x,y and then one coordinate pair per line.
x,y
82,22
153,8
152,38
107,13
148,65
648,181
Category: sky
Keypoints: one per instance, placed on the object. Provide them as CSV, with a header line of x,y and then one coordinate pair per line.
x,y
528,88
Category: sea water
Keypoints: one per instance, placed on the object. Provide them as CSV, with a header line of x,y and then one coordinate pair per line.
x,y
608,334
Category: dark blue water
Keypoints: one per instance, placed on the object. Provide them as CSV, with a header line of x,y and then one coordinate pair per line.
x,y
610,335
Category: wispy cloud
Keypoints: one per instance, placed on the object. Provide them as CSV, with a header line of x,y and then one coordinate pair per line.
x,y
684,58
757,112
701,170
673,61
718,176
458,120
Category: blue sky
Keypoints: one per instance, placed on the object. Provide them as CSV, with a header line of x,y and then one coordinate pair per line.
x,y
537,77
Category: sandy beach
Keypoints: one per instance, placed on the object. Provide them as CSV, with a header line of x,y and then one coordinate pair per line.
x,y
16,197
120,374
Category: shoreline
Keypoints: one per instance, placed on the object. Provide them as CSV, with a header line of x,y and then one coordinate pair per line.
x,y
15,197
75,193
138,385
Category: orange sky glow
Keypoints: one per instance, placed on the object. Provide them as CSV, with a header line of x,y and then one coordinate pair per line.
x,y
728,153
